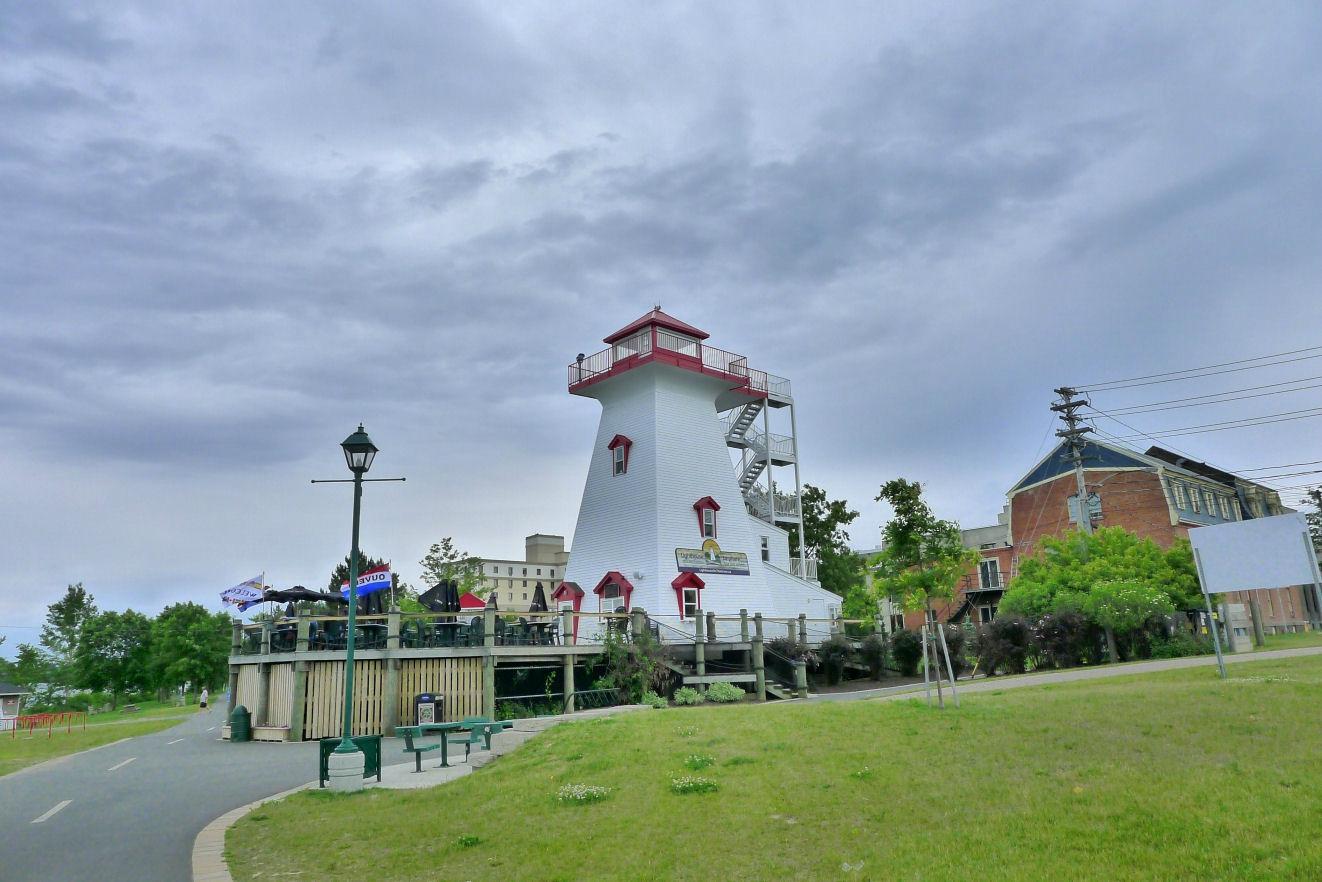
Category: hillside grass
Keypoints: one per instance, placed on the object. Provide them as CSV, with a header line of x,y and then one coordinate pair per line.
x,y
1169,776
17,752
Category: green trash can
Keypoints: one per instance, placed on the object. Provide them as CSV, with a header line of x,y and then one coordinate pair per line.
x,y
240,725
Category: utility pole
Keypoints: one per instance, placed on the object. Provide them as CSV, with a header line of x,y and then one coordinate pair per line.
x,y
1073,433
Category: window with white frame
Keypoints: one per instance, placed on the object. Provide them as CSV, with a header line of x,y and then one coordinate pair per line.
x,y
1210,498
985,613
989,573
897,622
708,523
609,599
1180,500
618,454
766,550
1196,498
691,606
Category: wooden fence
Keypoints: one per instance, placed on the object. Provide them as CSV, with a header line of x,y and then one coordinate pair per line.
x,y
458,679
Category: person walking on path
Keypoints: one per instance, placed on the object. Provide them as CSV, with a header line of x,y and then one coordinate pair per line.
x,y
202,699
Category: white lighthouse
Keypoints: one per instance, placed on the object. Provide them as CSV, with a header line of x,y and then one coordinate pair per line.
x,y
668,522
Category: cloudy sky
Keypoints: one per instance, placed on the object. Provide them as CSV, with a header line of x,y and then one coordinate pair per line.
x,y
229,232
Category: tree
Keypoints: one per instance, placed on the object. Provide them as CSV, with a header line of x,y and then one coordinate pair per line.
x,y
1125,607
1061,577
1314,498
31,668
113,653
64,620
922,557
189,645
444,561
838,569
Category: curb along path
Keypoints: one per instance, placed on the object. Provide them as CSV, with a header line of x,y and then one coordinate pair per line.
x,y
209,846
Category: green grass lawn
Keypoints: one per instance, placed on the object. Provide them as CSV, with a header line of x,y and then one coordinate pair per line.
x,y
1170,776
1291,641
18,752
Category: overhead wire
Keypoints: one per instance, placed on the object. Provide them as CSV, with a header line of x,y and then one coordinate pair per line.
x,y
1205,371
1198,400
1243,423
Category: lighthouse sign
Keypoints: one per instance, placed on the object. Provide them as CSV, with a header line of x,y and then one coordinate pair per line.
x,y
710,559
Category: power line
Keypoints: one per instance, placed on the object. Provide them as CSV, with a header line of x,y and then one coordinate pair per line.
x,y
1247,422
1198,371
1197,400
1284,465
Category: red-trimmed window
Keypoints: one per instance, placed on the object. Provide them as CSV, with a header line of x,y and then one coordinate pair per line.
x,y
619,448
614,593
688,594
706,507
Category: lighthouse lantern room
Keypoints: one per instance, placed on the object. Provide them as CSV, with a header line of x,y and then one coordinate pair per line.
x,y
682,513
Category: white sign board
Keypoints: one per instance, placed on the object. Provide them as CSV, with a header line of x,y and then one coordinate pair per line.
x,y
1259,553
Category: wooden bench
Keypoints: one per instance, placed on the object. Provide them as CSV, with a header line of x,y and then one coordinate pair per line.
x,y
408,733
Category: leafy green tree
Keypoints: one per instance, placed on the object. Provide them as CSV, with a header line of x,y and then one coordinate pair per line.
x,y
1061,577
444,561
838,569
59,635
1314,498
922,556
113,653
1125,607
189,645
31,667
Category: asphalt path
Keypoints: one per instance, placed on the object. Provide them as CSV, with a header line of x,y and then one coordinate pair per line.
x,y
129,812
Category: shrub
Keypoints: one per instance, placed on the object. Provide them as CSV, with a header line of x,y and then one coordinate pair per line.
x,y
1179,645
651,699
692,784
687,695
955,641
1002,645
699,761
1066,638
724,693
873,653
907,649
834,653
468,841
580,793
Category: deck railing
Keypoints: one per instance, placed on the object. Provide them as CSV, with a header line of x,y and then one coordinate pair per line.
x,y
713,360
787,504
804,568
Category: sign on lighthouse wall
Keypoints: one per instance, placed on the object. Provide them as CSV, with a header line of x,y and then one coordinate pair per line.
x,y
710,559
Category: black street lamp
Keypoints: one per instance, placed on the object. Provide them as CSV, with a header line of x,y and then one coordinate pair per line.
x,y
359,451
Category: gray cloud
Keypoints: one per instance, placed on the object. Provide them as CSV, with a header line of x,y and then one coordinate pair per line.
x,y
231,235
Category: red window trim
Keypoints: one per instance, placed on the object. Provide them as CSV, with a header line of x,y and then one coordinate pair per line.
x,y
571,592
702,505
626,587
686,580
620,441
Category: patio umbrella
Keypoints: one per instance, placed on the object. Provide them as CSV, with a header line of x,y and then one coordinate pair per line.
x,y
434,598
452,596
290,611
538,600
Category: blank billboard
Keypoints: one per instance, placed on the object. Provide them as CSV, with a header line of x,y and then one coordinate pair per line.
x,y
1270,552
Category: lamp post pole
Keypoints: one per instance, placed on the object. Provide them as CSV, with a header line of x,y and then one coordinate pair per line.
x,y
346,744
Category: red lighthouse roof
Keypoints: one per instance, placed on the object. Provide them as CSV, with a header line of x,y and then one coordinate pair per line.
x,y
661,320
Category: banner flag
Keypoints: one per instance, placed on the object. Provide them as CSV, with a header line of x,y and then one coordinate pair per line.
x,y
245,594
370,582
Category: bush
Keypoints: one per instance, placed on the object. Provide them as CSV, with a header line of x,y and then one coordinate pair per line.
x,y
724,693
651,699
581,793
873,653
699,761
955,641
834,653
1179,645
1002,645
1066,638
907,649
687,695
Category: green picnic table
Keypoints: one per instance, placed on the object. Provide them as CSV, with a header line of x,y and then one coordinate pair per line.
x,y
471,728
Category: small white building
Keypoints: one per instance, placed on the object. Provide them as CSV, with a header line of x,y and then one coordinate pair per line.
x,y
668,522
11,705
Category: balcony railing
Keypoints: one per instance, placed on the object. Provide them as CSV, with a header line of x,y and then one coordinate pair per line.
x,y
787,504
804,568
778,386
712,360
975,583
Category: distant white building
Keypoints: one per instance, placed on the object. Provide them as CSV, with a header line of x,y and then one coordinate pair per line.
x,y
667,522
512,582
11,705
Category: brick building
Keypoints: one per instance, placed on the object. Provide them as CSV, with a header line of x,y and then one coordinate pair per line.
x,y
1158,494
